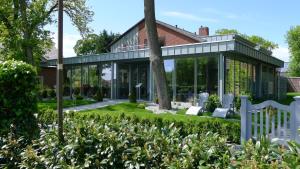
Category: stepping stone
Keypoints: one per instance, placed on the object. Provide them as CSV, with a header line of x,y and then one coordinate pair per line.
x,y
193,110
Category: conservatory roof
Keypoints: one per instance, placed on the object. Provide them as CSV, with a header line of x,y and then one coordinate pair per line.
x,y
210,44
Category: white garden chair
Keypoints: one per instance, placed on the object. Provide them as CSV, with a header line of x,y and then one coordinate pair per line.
x,y
227,106
195,110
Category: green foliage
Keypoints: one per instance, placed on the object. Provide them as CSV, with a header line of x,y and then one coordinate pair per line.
x,y
141,105
95,44
18,97
212,103
78,97
263,154
118,144
47,116
132,95
253,38
98,96
44,93
51,93
293,39
22,26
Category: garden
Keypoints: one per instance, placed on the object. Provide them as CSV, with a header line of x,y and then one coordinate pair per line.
x,y
120,136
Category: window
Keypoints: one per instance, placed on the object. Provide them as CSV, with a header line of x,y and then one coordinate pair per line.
x,y
145,43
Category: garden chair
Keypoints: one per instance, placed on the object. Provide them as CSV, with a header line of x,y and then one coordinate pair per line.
x,y
227,107
195,110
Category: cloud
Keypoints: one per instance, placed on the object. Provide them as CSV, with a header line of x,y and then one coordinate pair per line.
x,y
282,53
69,41
188,16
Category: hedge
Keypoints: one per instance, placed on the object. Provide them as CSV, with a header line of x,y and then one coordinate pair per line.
x,y
18,97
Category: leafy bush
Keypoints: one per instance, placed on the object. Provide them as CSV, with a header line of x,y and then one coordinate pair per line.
x,y
18,98
51,93
44,93
132,95
119,144
213,102
78,97
141,105
98,96
47,116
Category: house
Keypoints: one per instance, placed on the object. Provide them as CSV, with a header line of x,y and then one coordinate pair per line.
x,y
194,63
293,83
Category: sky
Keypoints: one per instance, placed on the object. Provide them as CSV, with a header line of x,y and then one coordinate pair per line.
x,y
270,19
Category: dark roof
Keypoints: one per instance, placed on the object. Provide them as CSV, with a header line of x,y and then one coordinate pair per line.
x,y
174,28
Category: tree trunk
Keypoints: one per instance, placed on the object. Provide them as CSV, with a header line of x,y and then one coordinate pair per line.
x,y
156,60
27,48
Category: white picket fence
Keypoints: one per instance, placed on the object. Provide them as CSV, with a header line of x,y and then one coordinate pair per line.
x,y
279,123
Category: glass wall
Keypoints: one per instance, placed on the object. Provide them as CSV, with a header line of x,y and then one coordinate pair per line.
x,y
123,81
185,79
169,68
106,76
268,82
207,74
240,77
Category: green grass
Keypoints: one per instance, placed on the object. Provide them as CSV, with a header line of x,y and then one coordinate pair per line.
x,y
132,109
51,104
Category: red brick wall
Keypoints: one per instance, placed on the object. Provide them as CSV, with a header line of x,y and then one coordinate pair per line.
x,y
49,76
294,84
171,37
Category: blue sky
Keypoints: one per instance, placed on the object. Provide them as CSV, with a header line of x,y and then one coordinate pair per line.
x,y
267,18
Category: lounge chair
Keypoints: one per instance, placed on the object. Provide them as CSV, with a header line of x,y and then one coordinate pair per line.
x,y
227,107
195,110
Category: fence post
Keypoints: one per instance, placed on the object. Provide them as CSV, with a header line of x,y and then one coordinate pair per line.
x,y
296,112
245,119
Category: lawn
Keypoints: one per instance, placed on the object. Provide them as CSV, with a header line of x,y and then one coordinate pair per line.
x,y
51,104
133,109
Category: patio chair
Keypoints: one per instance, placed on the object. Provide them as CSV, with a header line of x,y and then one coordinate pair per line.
x,y
227,107
195,110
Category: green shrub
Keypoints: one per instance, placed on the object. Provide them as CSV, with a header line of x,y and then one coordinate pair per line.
x,y
98,96
213,102
132,95
47,116
78,97
76,91
18,98
51,93
118,144
141,105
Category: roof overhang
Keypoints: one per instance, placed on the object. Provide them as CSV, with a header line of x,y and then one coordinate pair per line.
x,y
213,44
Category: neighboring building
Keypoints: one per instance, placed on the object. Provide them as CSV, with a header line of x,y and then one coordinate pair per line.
x,y
293,83
194,63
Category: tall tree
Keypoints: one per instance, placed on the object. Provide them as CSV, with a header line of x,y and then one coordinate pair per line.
x,y
293,40
156,60
22,26
95,44
253,38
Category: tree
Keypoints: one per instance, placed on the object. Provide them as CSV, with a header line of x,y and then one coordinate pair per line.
x,y
156,60
95,44
22,26
293,40
253,38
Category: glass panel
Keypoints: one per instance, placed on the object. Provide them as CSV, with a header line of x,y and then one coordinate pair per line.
x,y
143,79
85,80
207,75
123,81
229,76
185,79
105,79
169,68
93,80
67,81
76,80
237,77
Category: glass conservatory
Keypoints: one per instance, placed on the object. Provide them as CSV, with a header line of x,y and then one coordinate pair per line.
x,y
222,64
